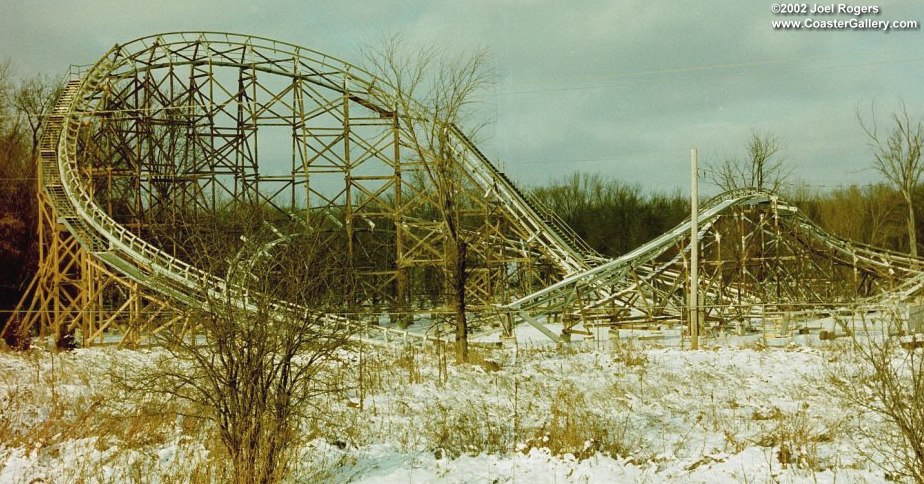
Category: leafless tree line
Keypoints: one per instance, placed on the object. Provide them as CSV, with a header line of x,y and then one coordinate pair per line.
x,y
23,104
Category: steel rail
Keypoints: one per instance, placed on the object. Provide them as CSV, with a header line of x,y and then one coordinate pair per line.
x,y
611,274
146,264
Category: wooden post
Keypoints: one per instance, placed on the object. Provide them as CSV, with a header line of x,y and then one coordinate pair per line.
x,y
694,252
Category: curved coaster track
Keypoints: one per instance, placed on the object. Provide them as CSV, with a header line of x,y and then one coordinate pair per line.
x,y
760,258
168,129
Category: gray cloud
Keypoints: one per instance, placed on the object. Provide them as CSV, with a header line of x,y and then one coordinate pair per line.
x,y
623,88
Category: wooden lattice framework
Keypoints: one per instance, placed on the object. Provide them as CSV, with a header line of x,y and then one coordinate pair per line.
x,y
759,258
169,129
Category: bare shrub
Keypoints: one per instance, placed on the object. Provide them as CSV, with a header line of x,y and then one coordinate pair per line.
x,y
885,385
471,430
255,359
795,436
578,426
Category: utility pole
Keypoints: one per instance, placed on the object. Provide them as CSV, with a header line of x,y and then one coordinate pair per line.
x,y
693,300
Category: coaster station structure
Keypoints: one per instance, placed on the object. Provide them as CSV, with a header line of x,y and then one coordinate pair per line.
x,y
167,131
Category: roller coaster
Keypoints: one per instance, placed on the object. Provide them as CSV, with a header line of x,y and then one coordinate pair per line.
x,y
187,123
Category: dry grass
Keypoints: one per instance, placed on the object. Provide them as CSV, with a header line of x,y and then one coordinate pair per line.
x,y
496,408
54,406
500,403
581,427
795,438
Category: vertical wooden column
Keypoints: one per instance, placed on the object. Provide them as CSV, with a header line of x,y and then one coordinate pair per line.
x,y
694,251
398,216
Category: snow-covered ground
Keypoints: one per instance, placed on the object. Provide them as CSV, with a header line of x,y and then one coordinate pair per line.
x,y
586,413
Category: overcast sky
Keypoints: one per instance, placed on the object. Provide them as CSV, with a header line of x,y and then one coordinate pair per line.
x,y
619,87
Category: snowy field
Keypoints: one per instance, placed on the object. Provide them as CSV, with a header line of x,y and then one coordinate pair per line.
x,y
632,412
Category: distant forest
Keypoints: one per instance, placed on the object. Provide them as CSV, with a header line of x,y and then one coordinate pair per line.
x,y
615,217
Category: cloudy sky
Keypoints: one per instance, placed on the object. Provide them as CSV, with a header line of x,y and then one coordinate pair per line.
x,y
619,87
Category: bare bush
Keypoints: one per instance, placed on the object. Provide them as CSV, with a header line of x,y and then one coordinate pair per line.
x,y
885,385
254,360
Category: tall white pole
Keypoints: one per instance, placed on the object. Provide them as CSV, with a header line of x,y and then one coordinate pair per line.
x,y
694,252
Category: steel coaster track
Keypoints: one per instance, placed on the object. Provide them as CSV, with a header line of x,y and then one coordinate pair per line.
x,y
153,268
557,296
112,243
140,261
566,248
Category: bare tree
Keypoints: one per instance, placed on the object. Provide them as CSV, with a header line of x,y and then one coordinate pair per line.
x,y
6,70
763,168
33,98
10,124
18,208
432,93
254,359
897,156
